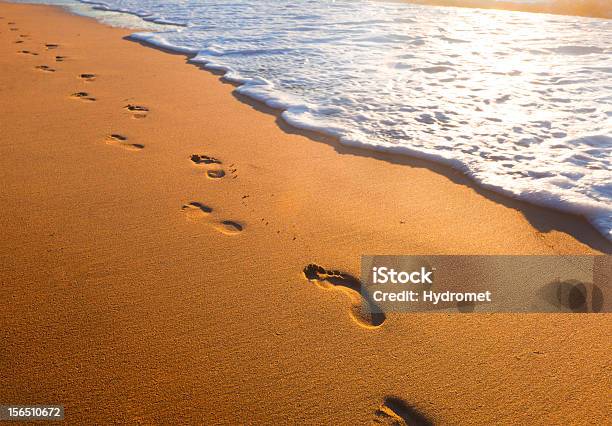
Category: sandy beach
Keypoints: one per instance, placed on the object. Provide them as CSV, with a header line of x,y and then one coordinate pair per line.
x,y
155,232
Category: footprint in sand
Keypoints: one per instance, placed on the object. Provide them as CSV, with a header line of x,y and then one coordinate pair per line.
x,y
50,46
14,29
83,96
45,68
87,77
196,211
60,58
229,227
395,411
120,140
351,286
215,172
27,52
204,159
18,41
138,111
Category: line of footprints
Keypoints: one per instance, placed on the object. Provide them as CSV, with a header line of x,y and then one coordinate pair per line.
x,y
196,211
363,315
193,211
393,410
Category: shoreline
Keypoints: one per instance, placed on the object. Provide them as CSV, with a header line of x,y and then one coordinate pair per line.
x,y
500,193
565,9
153,257
595,212
602,244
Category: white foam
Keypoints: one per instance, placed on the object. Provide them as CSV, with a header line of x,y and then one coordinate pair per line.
x,y
522,103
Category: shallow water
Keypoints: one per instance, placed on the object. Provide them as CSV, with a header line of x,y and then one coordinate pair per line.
x,y
520,102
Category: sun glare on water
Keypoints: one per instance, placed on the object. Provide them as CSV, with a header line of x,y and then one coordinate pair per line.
x,y
596,8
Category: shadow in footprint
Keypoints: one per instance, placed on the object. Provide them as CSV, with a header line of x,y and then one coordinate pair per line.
x,y
131,107
83,96
120,140
87,77
215,174
50,46
196,210
204,159
60,58
27,52
395,411
138,111
361,310
229,227
45,68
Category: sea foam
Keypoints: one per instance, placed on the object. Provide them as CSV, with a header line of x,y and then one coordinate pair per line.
x,y
521,103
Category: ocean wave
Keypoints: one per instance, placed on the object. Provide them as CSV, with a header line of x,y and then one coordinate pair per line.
x,y
521,103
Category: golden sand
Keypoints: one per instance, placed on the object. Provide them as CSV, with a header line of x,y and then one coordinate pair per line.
x,y
155,233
